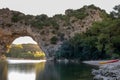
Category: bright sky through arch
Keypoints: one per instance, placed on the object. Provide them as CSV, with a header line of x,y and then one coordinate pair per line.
x,y
24,40
52,7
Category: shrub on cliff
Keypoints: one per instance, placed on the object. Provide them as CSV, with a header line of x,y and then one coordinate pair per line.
x,y
79,14
17,17
54,40
101,41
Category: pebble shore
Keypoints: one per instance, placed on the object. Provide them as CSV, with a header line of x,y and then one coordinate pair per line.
x,y
110,71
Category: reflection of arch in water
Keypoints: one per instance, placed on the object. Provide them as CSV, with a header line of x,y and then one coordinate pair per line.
x,y
39,68
26,68
3,70
49,72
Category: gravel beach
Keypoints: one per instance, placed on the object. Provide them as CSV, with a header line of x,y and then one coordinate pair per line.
x,y
109,71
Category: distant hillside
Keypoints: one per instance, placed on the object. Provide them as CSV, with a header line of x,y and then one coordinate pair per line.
x,y
31,51
28,47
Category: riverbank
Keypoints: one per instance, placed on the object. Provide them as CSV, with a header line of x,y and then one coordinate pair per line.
x,y
94,63
22,58
17,61
110,71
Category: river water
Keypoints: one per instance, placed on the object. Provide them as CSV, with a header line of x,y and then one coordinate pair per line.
x,y
42,70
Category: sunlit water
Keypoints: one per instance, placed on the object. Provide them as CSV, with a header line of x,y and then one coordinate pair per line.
x,y
42,70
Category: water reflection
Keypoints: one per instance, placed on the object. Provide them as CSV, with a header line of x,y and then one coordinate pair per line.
x,y
3,70
24,71
74,71
49,73
26,68
45,71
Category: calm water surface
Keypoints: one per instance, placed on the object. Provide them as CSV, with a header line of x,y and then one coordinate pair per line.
x,y
38,70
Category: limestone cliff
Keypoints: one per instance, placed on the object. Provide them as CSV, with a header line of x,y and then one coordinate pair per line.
x,y
48,32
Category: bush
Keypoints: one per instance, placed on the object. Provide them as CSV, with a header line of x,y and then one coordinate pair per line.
x,y
39,55
40,21
54,40
16,17
26,51
61,36
79,14
54,24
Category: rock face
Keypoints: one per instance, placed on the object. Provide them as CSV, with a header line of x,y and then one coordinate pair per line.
x,y
107,72
50,36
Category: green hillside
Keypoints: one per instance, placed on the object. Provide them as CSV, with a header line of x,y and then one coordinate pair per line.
x,y
101,41
27,51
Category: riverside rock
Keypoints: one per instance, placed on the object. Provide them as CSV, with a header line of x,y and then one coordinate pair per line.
x,y
107,72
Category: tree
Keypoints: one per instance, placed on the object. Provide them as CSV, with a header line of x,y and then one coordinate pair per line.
x,y
116,12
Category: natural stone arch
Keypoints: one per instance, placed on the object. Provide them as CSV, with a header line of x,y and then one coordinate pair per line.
x,y
9,35
14,24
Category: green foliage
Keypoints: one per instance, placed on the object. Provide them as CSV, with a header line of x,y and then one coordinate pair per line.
x,y
26,51
101,41
16,17
61,35
116,12
54,40
59,16
63,18
43,20
79,47
79,14
28,19
39,55
93,7
40,21
54,24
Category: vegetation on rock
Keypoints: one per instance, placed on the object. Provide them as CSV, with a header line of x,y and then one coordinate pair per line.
x,y
101,41
26,51
86,33
54,40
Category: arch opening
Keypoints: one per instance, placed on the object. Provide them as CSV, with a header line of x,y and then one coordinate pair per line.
x,y
24,40
26,48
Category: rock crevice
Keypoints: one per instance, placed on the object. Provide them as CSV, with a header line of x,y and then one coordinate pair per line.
x,y
107,72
